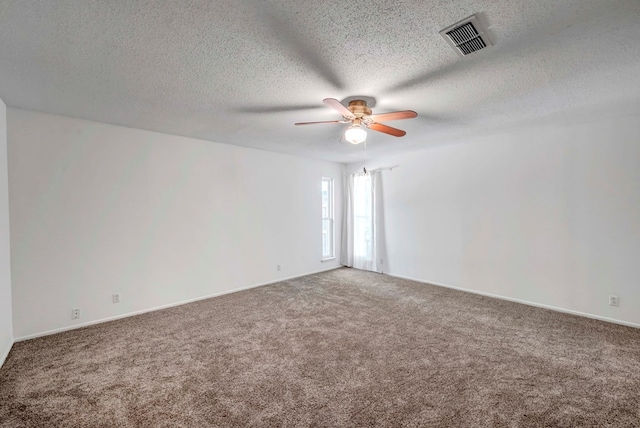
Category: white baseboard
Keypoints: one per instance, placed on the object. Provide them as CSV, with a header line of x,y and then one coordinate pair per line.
x,y
157,308
5,354
524,302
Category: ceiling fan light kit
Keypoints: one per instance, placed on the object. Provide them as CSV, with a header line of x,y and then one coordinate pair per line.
x,y
355,134
360,116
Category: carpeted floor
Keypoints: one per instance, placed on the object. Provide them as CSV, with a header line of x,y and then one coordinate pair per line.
x,y
340,348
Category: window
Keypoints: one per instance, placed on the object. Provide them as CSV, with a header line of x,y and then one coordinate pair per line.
x,y
328,236
362,217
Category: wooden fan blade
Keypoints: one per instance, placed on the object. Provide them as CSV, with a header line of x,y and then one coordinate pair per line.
x,y
395,115
387,129
326,121
337,105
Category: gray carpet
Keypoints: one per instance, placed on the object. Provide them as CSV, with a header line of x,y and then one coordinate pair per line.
x,y
341,348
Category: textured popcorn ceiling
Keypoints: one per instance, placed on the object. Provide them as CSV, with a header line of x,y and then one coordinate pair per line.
x,y
242,72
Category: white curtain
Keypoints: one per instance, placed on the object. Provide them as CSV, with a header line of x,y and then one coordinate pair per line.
x,y
362,239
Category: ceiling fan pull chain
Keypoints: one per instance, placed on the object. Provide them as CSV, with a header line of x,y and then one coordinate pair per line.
x,y
364,165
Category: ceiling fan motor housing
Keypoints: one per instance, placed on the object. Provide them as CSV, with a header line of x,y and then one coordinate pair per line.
x,y
359,108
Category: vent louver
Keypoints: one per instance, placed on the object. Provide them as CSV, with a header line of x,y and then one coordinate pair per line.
x,y
466,36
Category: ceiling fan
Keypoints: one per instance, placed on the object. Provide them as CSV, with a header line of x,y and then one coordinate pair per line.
x,y
360,117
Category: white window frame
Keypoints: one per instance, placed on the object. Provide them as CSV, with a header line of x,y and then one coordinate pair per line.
x,y
330,219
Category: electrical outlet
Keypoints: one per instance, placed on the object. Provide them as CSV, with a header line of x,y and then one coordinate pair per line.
x,y
75,314
115,298
614,300
278,268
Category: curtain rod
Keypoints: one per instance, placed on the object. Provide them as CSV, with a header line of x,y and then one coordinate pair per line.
x,y
386,168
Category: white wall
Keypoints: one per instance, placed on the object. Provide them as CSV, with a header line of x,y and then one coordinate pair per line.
x,y
547,214
98,209
6,327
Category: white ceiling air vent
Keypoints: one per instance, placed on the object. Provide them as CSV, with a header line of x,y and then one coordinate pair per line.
x,y
466,36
